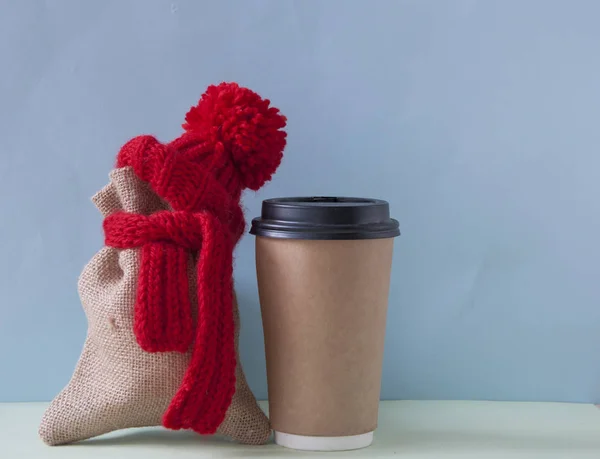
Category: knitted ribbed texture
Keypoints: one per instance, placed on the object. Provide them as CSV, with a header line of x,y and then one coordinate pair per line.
x,y
232,141
163,320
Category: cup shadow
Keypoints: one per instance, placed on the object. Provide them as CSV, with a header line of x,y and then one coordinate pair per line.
x,y
456,442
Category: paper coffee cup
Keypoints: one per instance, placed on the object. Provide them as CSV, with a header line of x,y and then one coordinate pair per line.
x,y
323,267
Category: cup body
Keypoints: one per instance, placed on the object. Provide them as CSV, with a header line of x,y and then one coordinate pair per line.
x,y
324,305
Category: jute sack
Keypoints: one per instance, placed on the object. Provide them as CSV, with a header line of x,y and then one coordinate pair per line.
x,y
116,384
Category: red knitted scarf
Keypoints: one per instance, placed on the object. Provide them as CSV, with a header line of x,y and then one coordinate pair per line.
x,y
163,320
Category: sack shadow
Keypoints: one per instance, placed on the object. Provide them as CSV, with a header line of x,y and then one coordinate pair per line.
x,y
155,438
151,437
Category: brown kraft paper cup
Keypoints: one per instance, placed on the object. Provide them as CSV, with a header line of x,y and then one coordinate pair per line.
x,y
323,267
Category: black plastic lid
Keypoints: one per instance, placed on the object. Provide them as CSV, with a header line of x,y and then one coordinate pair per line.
x,y
325,218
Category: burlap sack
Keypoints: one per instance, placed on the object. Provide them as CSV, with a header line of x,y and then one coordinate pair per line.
x,y
116,384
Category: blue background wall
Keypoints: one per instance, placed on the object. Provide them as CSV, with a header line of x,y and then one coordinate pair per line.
x,y
477,120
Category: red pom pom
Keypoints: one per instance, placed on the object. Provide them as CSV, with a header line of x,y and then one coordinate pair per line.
x,y
237,120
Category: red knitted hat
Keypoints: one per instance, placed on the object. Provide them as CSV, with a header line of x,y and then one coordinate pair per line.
x,y
232,141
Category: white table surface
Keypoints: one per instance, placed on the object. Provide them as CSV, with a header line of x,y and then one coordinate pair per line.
x,y
407,429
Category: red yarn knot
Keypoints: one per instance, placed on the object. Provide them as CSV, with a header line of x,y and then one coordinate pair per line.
x,y
163,320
